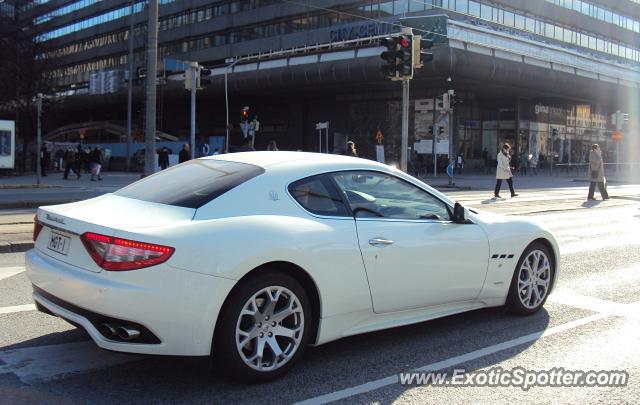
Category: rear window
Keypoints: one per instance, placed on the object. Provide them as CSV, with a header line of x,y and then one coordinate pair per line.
x,y
191,184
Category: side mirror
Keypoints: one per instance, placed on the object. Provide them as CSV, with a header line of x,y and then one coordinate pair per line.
x,y
460,214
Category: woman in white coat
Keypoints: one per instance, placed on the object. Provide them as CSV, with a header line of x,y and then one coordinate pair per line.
x,y
596,173
503,171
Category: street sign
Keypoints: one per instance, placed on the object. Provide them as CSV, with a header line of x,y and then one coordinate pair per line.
x,y
616,136
380,153
7,144
450,169
174,65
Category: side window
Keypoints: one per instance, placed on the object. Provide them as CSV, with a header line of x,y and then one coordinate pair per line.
x,y
317,195
373,194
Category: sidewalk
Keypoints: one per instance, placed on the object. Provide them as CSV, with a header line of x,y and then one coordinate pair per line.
x,y
24,192
19,196
55,180
480,181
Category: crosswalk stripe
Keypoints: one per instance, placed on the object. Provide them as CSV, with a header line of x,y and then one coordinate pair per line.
x,y
6,272
17,308
43,363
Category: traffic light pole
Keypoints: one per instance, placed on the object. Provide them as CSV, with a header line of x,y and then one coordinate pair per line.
x,y
451,149
433,145
405,125
226,97
39,140
194,71
152,67
130,88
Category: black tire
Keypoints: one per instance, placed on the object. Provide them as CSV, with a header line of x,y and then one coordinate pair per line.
x,y
226,354
515,303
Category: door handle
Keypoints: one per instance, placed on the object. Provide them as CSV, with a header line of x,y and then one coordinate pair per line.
x,y
380,241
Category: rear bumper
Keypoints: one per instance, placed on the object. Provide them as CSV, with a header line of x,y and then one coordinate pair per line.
x,y
179,308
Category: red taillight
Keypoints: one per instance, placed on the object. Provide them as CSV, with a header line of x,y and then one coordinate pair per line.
x,y
118,254
37,227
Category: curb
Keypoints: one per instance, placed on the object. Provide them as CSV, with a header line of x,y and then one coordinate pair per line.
x,y
21,186
16,247
32,204
451,187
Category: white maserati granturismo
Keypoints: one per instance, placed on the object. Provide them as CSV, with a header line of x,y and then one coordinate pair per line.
x,y
251,257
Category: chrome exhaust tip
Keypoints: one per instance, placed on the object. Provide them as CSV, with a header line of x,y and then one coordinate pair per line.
x,y
128,332
108,329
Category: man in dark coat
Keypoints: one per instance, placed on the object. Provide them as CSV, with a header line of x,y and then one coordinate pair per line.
x,y
163,158
70,163
44,160
184,154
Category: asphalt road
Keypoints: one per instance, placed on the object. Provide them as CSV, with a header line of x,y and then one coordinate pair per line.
x,y
591,322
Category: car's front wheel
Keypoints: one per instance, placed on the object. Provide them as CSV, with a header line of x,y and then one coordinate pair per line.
x,y
531,280
264,328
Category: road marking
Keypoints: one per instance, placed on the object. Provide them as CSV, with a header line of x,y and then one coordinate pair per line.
x,y
450,362
17,308
43,363
595,304
6,272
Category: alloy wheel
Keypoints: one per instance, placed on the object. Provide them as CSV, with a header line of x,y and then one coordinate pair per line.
x,y
534,279
270,328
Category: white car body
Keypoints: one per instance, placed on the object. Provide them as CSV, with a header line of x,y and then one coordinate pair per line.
x,y
434,268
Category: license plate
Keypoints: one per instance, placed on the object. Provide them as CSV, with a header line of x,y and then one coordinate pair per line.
x,y
59,243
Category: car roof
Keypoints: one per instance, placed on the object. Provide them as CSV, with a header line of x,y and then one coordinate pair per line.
x,y
266,159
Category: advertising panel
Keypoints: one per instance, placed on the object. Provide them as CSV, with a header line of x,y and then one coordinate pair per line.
x,y
7,144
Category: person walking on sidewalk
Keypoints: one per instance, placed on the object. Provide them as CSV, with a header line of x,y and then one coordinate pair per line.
x,y
503,171
70,163
184,154
163,158
96,163
596,173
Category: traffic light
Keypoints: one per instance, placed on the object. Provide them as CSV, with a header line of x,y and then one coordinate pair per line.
x,y
420,56
554,133
390,68
441,132
244,114
205,76
398,57
406,56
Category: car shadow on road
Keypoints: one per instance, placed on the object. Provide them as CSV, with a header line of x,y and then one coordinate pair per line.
x,y
338,365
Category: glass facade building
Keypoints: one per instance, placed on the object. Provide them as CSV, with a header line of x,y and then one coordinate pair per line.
x,y
85,36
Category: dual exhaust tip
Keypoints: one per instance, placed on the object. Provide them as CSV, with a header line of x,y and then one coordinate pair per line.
x,y
123,332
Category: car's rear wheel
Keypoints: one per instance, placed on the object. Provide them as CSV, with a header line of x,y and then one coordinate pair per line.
x,y
264,328
531,280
